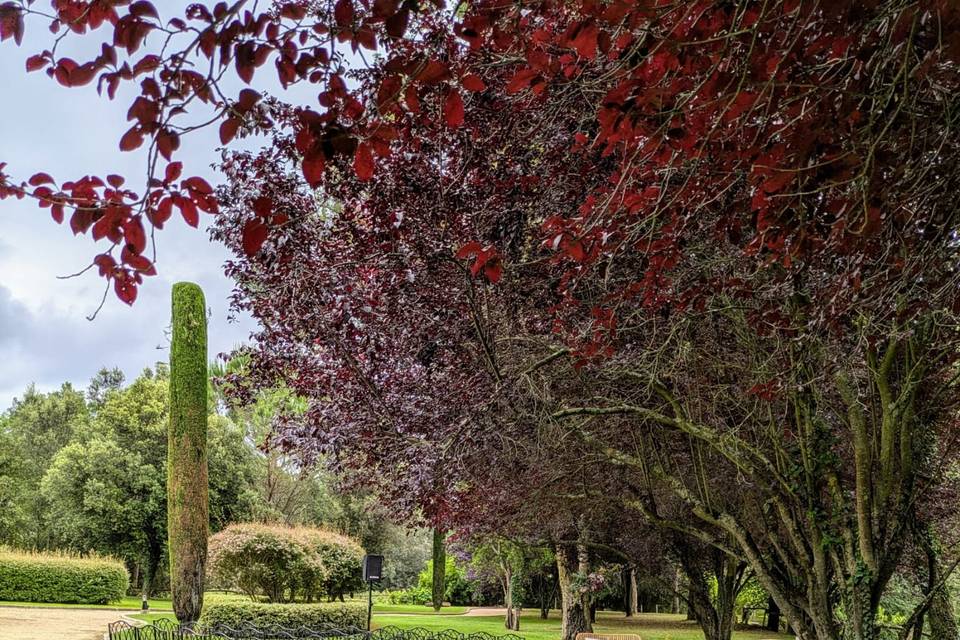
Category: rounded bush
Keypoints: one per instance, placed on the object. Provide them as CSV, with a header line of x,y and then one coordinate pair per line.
x,y
261,614
60,578
283,563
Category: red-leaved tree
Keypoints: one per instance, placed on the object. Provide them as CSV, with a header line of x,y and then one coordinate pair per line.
x,y
698,241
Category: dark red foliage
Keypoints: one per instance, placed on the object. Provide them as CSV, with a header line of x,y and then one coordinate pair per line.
x,y
521,181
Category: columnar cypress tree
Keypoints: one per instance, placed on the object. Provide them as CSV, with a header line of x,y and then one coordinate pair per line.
x,y
439,569
187,511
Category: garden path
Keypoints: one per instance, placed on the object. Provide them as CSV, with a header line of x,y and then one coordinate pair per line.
x,y
37,623
485,611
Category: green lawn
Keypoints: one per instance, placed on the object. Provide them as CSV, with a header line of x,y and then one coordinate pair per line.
x,y
417,609
649,626
127,602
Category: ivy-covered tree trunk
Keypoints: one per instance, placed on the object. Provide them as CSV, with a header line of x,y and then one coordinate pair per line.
x,y
439,569
187,509
712,608
575,605
151,567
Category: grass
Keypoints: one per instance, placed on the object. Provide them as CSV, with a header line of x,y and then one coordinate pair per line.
x,y
649,626
416,609
127,602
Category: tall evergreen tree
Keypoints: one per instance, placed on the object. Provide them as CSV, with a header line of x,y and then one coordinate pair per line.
x,y
187,484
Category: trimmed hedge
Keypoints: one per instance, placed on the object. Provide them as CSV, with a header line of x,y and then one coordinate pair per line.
x,y
286,615
39,577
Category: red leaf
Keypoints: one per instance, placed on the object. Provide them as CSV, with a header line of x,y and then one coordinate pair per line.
x,y
198,184
125,289
188,210
493,269
132,139
36,62
586,41
521,80
343,13
469,249
162,212
38,179
143,9
115,181
263,206
11,22
453,109
412,99
363,162
134,235
293,11
228,129
248,98
313,164
434,72
472,82
103,227
254,234
173,172
80,221
397,23
167,143
106,264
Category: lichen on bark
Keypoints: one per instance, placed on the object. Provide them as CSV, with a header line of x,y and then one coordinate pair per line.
x,y
187,485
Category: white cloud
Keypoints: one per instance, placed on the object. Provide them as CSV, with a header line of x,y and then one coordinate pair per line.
x,y
44,336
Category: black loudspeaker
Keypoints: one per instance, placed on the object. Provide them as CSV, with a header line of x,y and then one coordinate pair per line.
x,y
372,568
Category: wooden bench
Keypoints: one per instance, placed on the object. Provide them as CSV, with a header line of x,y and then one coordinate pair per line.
x,y
608,636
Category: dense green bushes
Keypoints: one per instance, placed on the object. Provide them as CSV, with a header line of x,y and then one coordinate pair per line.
x,y
35,577
287,615
285,563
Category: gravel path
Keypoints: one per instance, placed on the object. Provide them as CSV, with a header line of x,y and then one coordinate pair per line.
x,y
36,623
482,611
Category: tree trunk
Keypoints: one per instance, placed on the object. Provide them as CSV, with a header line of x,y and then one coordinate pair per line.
x,y
940,616
573,605
715,615
773,616
548,595
187,485
629,576
151,565
439,569
512,618
676,591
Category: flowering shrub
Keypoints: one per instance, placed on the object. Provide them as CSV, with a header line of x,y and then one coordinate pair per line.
x,y
285,563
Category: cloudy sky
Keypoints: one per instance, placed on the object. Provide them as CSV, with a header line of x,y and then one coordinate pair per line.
x,y
45,338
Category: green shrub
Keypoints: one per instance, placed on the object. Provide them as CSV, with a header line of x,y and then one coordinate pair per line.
x,y
413,595
36,577
286,615
338,561
285,563
457,589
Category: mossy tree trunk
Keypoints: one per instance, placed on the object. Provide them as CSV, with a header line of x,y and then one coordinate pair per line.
x,y
439,569
187,509
572,559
